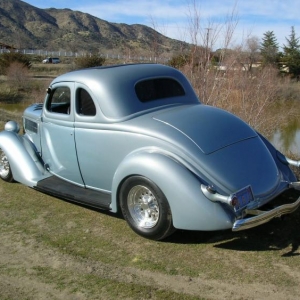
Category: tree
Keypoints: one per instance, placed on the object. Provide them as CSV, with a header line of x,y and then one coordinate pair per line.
x,y
252,51
269,49
204,35
179,61
291,57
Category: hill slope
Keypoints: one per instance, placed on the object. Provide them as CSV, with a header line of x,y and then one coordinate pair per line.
x,y
25,26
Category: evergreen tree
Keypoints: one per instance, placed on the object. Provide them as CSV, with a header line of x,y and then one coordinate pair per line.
x,y
269,49
291,57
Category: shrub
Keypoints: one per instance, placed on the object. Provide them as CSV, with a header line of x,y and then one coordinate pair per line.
x,y
6,59
17,76
88,61
179,61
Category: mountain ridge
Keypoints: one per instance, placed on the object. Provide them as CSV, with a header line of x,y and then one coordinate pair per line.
x,y
25,26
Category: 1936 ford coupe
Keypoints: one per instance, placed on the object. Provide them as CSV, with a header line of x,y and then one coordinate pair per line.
x,y
136,139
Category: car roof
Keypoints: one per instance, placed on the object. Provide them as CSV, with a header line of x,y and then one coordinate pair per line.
x,y
113,87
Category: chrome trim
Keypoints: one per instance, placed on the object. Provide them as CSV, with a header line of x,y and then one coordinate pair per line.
x,y
292,162
213,196
259,200
287,160
262,217
295,185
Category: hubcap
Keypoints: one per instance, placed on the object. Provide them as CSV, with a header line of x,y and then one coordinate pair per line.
x,y
143,206
4,165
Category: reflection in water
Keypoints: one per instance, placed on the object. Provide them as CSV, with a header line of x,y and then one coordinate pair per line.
x,y
287,139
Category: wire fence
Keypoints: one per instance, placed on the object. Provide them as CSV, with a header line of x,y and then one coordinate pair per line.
x,y
45,53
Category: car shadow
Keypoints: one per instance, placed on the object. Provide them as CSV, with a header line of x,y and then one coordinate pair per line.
x,y
279,234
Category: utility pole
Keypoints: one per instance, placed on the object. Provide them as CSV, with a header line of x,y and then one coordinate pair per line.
x,y
207,44
206,66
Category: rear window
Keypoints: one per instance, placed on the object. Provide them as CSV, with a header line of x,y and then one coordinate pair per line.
x,y
159,88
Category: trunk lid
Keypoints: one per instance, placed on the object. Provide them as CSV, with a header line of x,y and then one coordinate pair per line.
x,y
207,127
233,154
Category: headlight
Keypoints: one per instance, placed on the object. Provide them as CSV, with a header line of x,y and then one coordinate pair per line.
x,y
12,126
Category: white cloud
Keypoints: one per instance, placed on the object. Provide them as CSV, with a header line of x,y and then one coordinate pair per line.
x,y
121,9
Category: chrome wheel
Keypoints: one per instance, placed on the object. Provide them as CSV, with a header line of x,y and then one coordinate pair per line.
x,y
4,165
143,206
5,171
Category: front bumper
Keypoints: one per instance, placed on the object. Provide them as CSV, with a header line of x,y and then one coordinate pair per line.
x,y
261,217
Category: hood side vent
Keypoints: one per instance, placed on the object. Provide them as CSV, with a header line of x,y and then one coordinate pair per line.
x,y
30,126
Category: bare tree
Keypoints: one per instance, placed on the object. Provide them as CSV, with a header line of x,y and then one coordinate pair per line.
x,y
223,78
205,36
252,51
158,30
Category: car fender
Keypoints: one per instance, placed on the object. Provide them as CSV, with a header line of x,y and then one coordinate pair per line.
x,y
24,162
190,208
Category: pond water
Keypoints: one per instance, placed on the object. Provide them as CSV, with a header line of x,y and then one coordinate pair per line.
x,y
287,141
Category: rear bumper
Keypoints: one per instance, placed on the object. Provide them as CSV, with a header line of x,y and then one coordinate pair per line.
x,y
261,217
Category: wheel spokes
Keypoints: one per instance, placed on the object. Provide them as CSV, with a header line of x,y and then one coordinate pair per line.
x,y
4,165
143,206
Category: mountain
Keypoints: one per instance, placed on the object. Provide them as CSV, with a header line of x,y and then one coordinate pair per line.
x,y
25,26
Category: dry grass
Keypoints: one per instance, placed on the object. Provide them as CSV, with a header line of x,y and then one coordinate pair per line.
x,y
53,249
52,245
254,97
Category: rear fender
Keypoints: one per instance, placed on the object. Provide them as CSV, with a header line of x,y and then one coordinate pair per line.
x,y
25,164
190,208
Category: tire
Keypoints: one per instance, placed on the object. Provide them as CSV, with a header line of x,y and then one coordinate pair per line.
x,y
145,208
5,170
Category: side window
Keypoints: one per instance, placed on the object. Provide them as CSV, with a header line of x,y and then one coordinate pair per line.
x,y
59,100
84,103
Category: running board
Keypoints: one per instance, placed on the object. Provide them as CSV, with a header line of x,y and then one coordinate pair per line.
x,y
57,187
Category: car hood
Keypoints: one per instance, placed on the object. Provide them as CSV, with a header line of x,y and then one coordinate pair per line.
x,y
209,128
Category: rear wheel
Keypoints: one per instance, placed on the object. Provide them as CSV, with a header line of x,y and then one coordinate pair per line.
x,y
145,208
5,170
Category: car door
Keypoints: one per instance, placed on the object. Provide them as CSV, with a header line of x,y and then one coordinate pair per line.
x,y
57,133
88,137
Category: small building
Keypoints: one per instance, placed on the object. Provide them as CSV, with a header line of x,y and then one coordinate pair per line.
x,y
6,47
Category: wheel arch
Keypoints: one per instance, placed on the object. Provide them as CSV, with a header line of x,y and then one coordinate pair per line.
x,y
189,207
24,163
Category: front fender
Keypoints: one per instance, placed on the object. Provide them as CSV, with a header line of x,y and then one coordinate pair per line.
x,y
25,165
190,208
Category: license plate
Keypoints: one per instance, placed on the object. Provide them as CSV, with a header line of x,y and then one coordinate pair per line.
x,y
244,197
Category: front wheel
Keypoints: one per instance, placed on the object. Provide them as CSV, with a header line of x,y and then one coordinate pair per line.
x,y
145,208
5,170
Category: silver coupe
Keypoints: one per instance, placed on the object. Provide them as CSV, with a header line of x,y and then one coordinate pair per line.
x,y
136,139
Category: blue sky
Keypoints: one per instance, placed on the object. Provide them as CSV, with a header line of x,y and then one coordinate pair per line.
x,y
173,17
